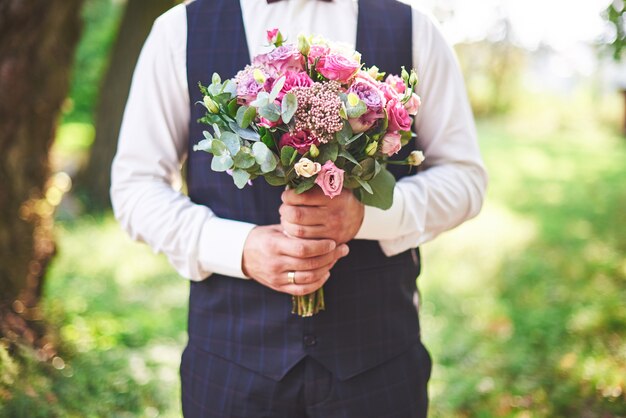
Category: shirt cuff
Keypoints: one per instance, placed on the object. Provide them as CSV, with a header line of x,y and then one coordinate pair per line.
x,y
381,224
221,246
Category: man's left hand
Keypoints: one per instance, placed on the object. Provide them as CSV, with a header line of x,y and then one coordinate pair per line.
x,y
314,215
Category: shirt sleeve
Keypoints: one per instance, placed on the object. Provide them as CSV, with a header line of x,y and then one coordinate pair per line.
x,y
146,173
450,187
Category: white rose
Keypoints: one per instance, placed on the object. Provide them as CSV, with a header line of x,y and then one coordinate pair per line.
x,y
307,168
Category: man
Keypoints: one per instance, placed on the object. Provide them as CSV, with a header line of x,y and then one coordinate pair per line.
x,y
248,355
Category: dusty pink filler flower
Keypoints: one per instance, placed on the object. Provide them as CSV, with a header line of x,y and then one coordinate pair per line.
x,y
330,179
318,110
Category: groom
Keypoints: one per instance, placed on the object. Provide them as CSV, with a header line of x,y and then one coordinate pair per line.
x,y
247,355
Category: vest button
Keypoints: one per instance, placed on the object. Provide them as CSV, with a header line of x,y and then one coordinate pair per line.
x,y
310,340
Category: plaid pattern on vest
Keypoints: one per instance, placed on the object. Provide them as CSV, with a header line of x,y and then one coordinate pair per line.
x,y
370,315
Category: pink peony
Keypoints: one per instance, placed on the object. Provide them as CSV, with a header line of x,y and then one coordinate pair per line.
x,y
247,86
337,67
282,59
370,94
413,105
301,141
292,79
391,143
399,118
330,179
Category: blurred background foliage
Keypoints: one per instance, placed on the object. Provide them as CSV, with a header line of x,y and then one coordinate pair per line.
x,y
522,308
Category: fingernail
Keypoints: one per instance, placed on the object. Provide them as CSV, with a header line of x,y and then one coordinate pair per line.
x,y
345,250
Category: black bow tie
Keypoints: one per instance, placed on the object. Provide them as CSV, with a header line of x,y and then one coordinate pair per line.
x,y
274,1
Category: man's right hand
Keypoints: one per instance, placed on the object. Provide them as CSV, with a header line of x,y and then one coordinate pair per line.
x,y
269,255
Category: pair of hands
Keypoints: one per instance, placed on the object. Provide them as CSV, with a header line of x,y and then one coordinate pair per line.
x,y
311,238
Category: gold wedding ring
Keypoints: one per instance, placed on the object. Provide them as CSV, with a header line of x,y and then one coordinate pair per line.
x,y
292,277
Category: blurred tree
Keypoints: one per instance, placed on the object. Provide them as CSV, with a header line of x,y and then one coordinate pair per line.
x,y
93,182
616,15
37,44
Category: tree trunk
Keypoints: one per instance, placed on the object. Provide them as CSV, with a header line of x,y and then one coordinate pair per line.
x,y
94,181
37,44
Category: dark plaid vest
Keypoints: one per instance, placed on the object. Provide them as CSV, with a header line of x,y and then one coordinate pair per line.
x,y
370,314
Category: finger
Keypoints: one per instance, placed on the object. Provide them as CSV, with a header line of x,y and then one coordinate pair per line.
x,y
312,197
302,215
303,248
313,263
304,278
301,231
300,290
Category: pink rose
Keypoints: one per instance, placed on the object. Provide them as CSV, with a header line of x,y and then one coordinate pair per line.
x,y
389,92
301,141
391,143
396,82
330,179
292,79
282,59
413,105
272,35
337,67
317,51
399,118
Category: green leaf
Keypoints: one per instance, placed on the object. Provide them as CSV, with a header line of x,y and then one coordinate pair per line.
x,y
328,152
248,134
233,107
305,185
405,137
289,106
204,145
262,99
369,168
287,154
244,158
268,139
264,157
365,185
345,154
344,134
241,178
219,148
245,115
354,138
274,180
382,191
356,111
221,162
232,142
278,86
270,112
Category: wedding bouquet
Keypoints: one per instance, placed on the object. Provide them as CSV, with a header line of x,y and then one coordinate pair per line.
x,y
311,114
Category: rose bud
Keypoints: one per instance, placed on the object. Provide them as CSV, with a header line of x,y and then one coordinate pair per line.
x,y
314,151
416,158
371,148
210,104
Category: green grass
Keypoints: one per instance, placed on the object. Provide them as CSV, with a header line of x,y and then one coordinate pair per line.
x,y
522,308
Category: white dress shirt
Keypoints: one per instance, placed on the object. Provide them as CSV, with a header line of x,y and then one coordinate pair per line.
x,y
146,178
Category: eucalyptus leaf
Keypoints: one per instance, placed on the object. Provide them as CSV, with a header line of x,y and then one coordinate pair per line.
x,y
245,115
382,191
232,142
219,148
262,99
356,111
221,162
230,87
275,180
278,86
233,107
203,145
248,134
240,177
264,157
289,106
216,130
207,134
270,112
244,158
